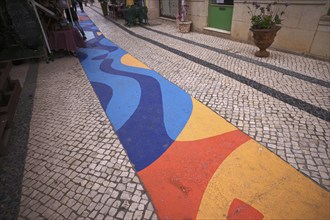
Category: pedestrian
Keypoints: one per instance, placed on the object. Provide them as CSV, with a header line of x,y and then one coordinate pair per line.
x,y
74,5
80,2
74,18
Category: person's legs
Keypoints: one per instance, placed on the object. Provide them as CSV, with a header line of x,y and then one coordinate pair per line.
x,y
74,6
81,6
80,29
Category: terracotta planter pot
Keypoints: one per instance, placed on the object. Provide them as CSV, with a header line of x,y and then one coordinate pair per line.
x,y
263,38
184,26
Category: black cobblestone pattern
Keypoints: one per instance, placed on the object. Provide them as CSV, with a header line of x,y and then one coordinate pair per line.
x,y
294,135
247,59
12,164
300,104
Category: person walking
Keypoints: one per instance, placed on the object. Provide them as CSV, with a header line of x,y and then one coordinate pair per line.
x,y
74,19
74,5
80,2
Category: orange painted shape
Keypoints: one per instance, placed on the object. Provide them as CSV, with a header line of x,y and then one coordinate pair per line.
x,y
129,60
240,210
177,180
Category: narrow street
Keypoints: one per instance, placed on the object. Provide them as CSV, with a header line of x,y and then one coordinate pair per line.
x,y
236,131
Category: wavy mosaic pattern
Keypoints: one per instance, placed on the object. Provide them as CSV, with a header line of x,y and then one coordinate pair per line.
x,y
193,163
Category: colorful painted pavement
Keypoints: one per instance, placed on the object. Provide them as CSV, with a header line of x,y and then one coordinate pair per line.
x,y
193,163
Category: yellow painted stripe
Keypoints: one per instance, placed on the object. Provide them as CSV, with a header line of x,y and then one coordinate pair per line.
x,y
261,179
129,60
99,33
204,123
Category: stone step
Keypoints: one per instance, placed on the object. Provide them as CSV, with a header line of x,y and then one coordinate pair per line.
x,y
9,96
4,73
10,99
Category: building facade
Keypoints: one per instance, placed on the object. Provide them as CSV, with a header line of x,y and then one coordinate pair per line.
x,y
305,29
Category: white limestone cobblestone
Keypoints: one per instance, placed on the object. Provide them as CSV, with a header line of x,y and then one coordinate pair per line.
x,y
75,165
263,75
295,135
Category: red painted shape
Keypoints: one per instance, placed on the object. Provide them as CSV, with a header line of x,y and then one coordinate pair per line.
x,y
83,18
241,210
177,180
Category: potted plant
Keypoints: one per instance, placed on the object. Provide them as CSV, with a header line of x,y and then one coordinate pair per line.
x,y
183,23
104,6
266,20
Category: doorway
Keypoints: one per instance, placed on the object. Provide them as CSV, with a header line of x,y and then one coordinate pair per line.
x,y
220,14
169,8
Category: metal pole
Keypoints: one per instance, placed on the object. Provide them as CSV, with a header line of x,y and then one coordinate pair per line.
x,y
42,29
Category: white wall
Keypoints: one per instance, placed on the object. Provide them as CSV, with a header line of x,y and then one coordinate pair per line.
x,y
302,30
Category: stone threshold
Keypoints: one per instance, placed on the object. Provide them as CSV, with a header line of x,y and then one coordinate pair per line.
x,y
167,19
216,30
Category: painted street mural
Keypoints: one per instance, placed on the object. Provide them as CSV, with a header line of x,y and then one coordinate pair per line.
x,y
193,163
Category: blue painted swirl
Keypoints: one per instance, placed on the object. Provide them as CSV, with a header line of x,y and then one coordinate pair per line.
x,y
147,111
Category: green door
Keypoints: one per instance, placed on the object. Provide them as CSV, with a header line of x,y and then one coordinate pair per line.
x,y
220,14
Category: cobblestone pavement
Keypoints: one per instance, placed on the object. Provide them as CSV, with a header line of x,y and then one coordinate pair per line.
x,y
75,165
281,101
12,164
